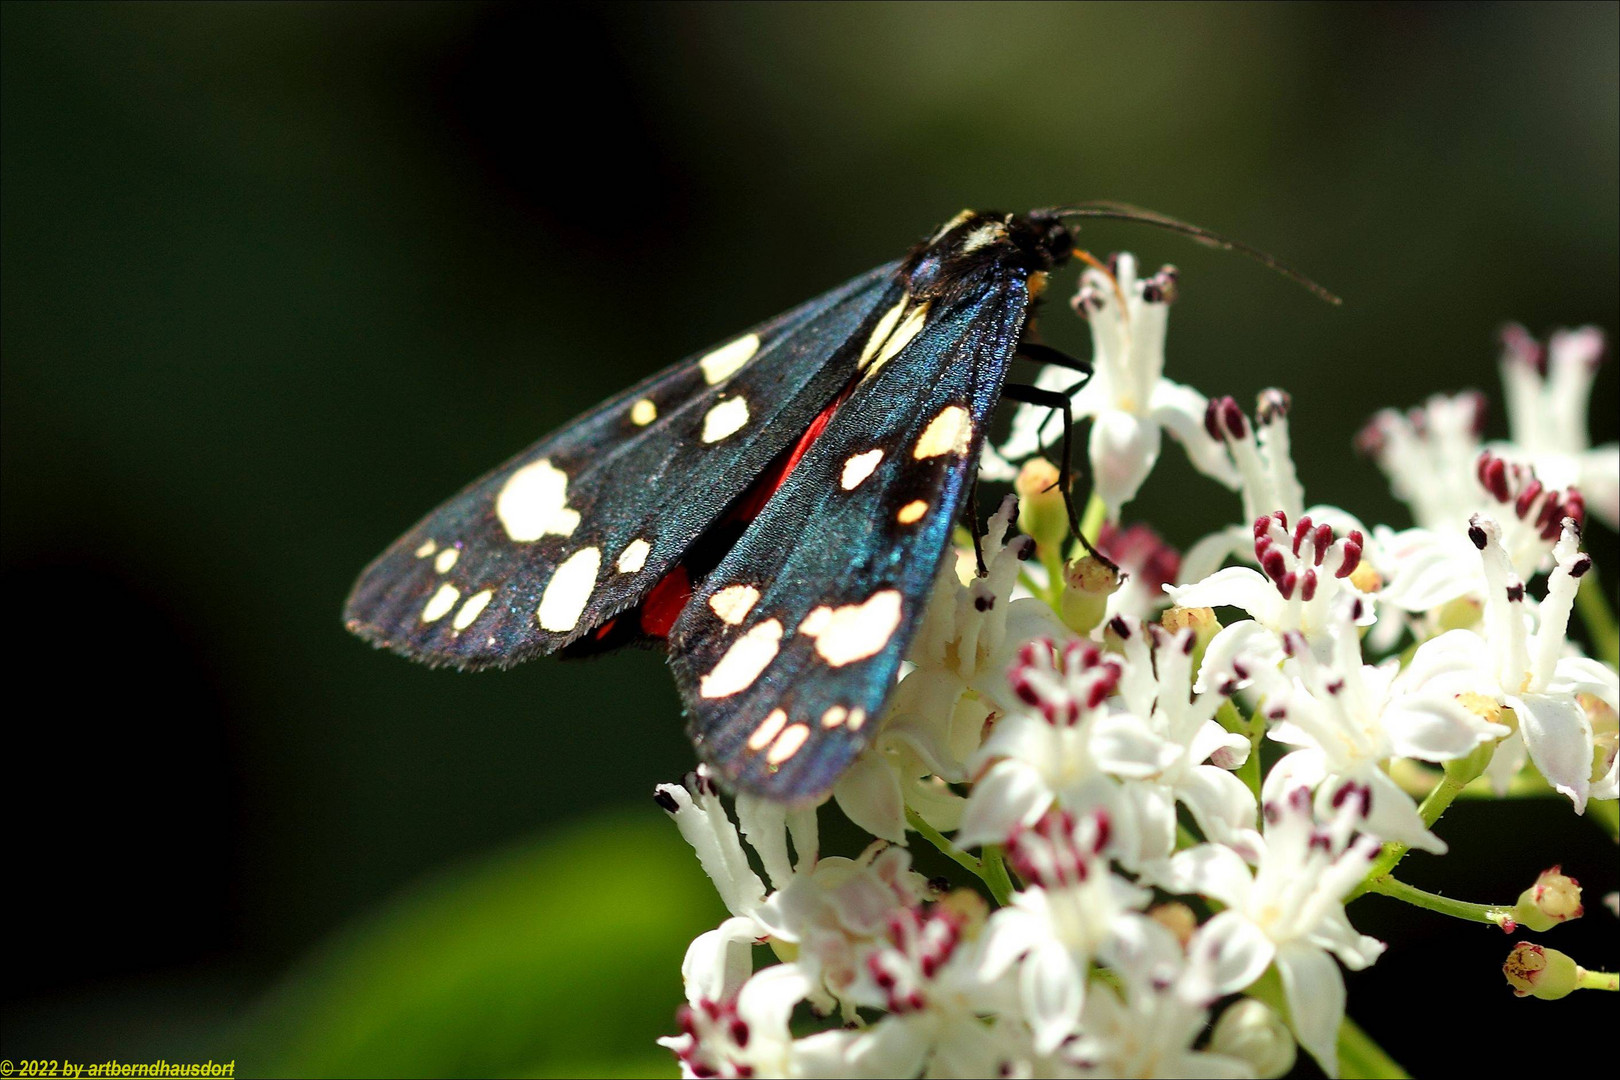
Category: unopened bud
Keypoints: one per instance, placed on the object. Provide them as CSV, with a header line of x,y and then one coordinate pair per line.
x,y
1041,511
1535,971
1554,898
1177,918
1088,582
970,907
1472,764
1200,620
1250,1031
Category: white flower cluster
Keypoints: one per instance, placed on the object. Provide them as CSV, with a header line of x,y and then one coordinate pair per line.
x,y
1162,906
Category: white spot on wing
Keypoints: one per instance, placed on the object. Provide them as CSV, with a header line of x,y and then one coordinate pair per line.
x,y
911,512
983,236
787,744
439,605
857,717
568,590
726,418
951,224
474,607
947,433
733,603
748,656
880,333
856,631
834,716
727,359
643,412
534,502
634,556
428,547
447,558
768,730
858,468
880,351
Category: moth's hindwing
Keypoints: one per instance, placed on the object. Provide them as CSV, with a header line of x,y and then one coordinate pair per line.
x,y
791,646
579,526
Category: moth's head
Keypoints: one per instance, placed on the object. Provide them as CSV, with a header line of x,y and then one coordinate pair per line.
x,y
976,241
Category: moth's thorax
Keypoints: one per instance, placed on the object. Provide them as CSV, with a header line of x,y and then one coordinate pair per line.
x,y
975,244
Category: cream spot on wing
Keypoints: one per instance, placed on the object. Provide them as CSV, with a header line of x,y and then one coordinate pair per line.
x,y
983,236
727,359
428,547
568,590
947,433
733,603
441,602
474,607
534,502
834,716
643,412
787,744
882,331
857,717
748,656
910,328
447,558
912,511
856,631
768,729
858,468
634,556
726,418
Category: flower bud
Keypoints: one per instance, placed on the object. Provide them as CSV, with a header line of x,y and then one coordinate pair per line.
x,y
1533,970
1554,898
1250,1031
1088,582
1472,764
1041,511
1177,918
1200,620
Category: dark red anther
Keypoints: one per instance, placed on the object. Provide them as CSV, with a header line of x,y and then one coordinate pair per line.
x,y
1527,497
1301,529
1232,418
1262,526
1308,591
739,1032
1322,539
1493,474
1273,563
1352,556
1212,423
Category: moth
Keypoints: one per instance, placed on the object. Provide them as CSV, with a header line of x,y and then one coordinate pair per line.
x,y
774,509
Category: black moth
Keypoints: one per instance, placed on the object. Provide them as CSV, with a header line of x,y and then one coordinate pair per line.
x,y
775,508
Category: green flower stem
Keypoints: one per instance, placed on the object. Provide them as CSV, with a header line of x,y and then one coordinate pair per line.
x,y
1434,804
1598,616
1416,778
1001,890
1599,980
1254,729
1091,521
1000,881
1361,1058
1494,914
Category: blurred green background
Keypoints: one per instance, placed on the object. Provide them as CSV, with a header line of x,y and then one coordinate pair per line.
x,y
278,278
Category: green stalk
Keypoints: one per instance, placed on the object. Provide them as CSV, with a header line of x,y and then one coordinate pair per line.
x,y
1434,804
1493,914
994,878
1598,617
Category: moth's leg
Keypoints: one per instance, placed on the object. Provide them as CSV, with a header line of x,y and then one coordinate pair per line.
x,y
1045,354
1059,400
972,511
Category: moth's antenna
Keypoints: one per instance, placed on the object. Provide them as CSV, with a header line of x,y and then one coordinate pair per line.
x,y
1119,211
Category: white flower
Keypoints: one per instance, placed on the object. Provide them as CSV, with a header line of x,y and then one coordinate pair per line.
x,y
830,909
1065,747
1304,573
1548,394
1349,719
1262,455
1154,688
957,683
1289,911
1072,910
1127,398
1148,1026
1511,667
742,1031
928,977
1429,455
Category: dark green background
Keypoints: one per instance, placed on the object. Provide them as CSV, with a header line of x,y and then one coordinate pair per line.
x,y
276,279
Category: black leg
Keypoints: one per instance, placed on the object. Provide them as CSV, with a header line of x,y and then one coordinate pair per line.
x,y
1045,354
972,509
1055,399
